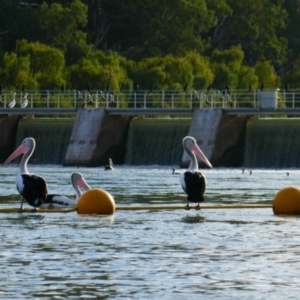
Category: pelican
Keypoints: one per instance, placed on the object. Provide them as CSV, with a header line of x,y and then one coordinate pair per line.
x,y
109,166
60,201
192,181
31,187
12,103
25,101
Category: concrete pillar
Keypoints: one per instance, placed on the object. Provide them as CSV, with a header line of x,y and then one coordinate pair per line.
x,y
94,135
219,136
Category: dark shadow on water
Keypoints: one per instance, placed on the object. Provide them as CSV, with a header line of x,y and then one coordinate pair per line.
x,y
30,221
193,219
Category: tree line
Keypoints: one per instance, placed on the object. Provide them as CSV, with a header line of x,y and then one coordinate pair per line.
x,y
157,44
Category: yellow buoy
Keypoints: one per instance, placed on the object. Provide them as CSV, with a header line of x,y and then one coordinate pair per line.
x,y
287,201
96,201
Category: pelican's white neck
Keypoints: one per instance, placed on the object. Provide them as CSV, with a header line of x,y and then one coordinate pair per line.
x,y
24,161
77,191
194,162
23,166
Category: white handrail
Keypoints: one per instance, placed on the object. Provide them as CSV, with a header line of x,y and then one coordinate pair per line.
x,y
164,99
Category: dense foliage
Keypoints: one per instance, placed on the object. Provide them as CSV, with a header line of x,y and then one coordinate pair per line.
x,y
165,44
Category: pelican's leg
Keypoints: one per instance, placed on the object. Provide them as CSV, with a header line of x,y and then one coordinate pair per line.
x,y
187,205
197,207
21,207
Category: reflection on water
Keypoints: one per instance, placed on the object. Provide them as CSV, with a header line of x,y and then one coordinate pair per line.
x,y
213,254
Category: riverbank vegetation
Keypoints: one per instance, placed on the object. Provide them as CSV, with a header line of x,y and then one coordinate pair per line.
x,y
157,44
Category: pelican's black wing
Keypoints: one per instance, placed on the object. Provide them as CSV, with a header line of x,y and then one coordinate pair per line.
x,y
35,189
195,186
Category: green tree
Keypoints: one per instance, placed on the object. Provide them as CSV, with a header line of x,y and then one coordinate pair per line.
x,y
255,25
18,20
99,71
292,34
292,76
266,74
63,27
142,29
15,72
148,73
47,64
203,75
156,37
226,66
247,78
175,73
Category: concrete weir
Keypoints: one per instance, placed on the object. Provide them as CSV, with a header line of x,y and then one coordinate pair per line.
x,y
220,137
94,135
8,125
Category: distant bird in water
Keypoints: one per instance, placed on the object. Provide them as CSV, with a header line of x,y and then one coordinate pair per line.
x,y
12,103
109,166
287,173
175,173
25,101
193,181
243,171
250,172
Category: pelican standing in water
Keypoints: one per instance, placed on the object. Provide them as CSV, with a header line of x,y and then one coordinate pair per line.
x,y
32,188
193,181
59,201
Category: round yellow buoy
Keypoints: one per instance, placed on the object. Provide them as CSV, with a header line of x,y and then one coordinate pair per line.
x,y
287,201
96,201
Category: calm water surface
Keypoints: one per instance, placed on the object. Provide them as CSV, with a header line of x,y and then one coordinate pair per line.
x,y
206,254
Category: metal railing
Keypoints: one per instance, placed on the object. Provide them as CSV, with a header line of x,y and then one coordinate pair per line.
x,y
158,99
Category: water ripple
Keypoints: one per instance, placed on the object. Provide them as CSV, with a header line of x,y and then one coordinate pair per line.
x,y
213,254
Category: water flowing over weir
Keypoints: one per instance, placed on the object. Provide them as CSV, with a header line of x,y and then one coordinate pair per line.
x,y
52,138
158,141
272,143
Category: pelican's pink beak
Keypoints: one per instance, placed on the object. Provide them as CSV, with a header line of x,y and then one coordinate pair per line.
x,y
200,154
20,150
82,184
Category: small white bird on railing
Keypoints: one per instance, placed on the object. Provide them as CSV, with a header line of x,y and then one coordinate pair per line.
x,y
25,101
12,103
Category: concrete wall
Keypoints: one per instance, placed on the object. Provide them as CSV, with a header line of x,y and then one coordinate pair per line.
x,y
230,141
94,135
8,126
220,137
